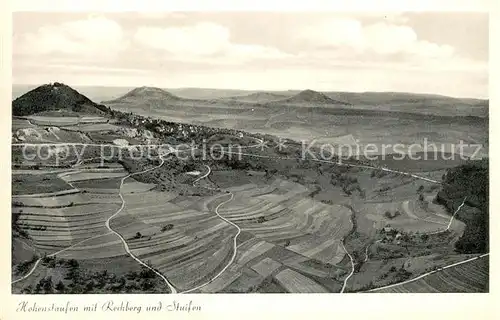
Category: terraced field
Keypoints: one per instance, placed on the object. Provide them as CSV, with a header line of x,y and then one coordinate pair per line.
x,y
196,242
411,217
64,121
294,282
178,236
281,211
467,277
55,221
223,230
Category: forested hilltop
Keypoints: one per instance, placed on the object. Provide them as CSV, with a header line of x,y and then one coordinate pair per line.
x,y
470,180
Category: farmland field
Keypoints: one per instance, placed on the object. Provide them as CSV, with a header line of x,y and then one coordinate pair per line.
x,y
296,283
470,277
90,216
29,183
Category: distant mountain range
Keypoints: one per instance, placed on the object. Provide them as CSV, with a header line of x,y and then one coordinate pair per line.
x,y
306,96
46,97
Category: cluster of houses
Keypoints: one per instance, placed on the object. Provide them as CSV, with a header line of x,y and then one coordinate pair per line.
x,y
391,235
180,130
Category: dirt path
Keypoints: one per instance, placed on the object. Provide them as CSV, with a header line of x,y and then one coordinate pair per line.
x,y
209,170
339,164
428,273
235,247
451,219
107,224
352,268
125,245
173,290
29,273
409,212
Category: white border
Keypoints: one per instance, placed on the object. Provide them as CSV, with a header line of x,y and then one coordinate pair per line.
x,y
372,306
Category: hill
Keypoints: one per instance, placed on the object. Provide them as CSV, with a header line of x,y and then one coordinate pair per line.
x,y
147,99
431,104
55,96
397,97
147,93
311,96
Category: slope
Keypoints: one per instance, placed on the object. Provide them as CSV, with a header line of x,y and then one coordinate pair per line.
x,y
51,97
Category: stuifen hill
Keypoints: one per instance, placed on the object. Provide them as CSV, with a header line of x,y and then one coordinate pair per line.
x,y
55,96
312,97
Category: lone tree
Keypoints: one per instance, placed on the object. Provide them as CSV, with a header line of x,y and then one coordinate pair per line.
x,y
138,235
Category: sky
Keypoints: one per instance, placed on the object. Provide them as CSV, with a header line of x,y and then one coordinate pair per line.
x,y
427,52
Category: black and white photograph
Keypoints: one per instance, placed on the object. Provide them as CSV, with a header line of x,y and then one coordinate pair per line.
x,y
204,152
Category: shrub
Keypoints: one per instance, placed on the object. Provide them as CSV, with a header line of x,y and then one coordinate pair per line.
x,y
72,263
167,227
147,273
146,285
60,286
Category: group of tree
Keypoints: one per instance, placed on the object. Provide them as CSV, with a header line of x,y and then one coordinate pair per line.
x,y
81,281
470,181
392,215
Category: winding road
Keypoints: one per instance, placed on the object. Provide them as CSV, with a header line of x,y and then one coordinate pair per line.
x,y
409,212
352,268
37,262
428,273
235,246
209,170
107,224
339,164
439,269
451,219
172,288
125,245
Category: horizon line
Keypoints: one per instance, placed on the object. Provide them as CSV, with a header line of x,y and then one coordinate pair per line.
x,y
258,90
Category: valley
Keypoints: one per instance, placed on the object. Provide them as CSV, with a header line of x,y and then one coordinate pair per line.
x,y
153,193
